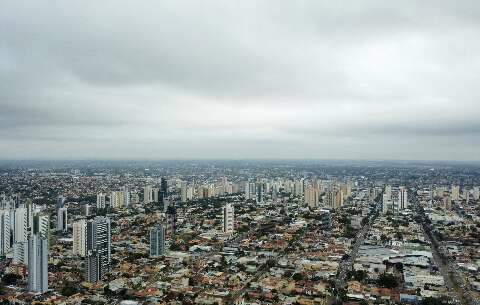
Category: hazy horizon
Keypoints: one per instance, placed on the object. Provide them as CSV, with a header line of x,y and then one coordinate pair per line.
x,y
173,80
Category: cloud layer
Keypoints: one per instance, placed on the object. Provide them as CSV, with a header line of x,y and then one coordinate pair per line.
x,y
241,79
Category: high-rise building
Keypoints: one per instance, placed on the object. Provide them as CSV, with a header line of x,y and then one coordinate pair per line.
x,y
247,190
163,186
21,225
93,268
147,194
155,194
224,185
60,202
126,197
117,199
466,194
101,200
80,237
402,198
311,197
388,193
41,225
228,218
30,206
334,199
387,204
134,198
62,219
87,210
476,193
189,193
98,248
171,220
20,252
183,191
298,188
455,192
259,192
37,264
157,241
447,202
4,232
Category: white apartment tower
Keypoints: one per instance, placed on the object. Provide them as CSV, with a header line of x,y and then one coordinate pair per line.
x,y
228,218
21,225
101,200
4,232
476,193
402,198
455,192
80,237
147,194
41,225
388,193
117,199
62,219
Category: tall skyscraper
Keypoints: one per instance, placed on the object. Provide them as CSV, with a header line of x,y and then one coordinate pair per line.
x,y
117,199
183,191
455,192
157,241
259,192
20,252
402,198
93,268
155,194
41,225
387,204
126,196
87,210
62,219
171,220
80,237
311,197
163,185
388,193
60,201
147,194
334,199
224,185
30,206
98,248
247,190
476,193
466,194
21,225
4,232
101,200
298,188
228,218
37,264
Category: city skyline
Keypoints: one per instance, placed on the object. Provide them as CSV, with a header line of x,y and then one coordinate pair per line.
x,y
271,80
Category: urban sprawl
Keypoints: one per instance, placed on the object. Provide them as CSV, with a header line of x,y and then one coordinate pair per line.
x,y
239,232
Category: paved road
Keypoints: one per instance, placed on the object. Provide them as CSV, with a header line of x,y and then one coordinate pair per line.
x,y
346,265
454,279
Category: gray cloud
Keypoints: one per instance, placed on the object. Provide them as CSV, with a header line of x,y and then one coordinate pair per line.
x,y
206,79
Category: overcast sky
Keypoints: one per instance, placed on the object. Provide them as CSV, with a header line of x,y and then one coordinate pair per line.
x,y
240,79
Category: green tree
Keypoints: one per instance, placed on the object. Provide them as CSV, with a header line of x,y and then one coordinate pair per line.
x,y
387,280
10,279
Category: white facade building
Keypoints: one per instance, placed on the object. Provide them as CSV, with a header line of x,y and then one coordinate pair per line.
x,y
228,218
